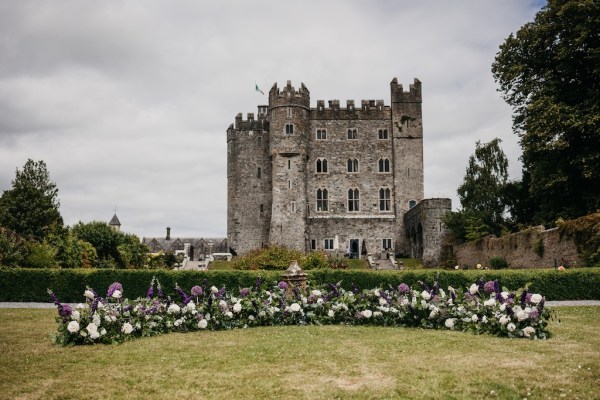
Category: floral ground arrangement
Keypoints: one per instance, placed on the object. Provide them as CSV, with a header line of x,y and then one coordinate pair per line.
x,y
483,308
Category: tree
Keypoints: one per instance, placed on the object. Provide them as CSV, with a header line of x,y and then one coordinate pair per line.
x,y
549,72
30,208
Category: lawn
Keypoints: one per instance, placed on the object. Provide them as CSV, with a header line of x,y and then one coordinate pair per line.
x,y
303,362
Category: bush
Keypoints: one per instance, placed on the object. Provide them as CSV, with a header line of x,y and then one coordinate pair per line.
x,y
20,284
498,263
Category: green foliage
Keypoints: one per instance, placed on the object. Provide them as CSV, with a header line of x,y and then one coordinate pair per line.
x,y
270,258
30,208
549,72
20,284
315,259
498,263
12,248
585,232
538,247
40,255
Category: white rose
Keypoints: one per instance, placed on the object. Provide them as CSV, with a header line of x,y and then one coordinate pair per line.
x,y
484,319
450,323
202,324
214,289
474,288
207,317
331,314
295,307
94,335
489,303
229,314
433,314
81,306
73,326
319,301
91,328
127,328
504,320
426,295
191,306
423,304
522,315
536,298
504,295
474,318
382,301
234,299
502,307
96,319
442,294
75,316
117,294
316,293
251,318
367,313
528,331
222,304
404,302
237,307
376,314
178,322
377,292
173,309
262,314
511,327
89,294
102,331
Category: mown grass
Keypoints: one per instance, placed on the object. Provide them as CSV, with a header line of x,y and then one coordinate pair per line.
x,y
303,363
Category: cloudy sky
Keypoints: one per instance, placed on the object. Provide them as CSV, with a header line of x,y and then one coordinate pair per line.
x,y
128,102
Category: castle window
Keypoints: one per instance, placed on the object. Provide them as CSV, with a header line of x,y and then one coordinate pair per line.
x,y
289,164
352,134
289,183
384,199
386,244
383,134
262,209
313,244
322,200
258,141
353,165
328,244
289,112
321,166
412,203
258,173
321,134
293,206
353,200
384,165
289,129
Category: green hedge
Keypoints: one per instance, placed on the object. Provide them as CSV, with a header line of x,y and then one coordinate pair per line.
x,y
68,284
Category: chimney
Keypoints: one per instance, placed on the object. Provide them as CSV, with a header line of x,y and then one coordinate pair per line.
x,y
168,233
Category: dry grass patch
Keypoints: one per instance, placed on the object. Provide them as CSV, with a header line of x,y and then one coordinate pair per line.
x,y
303,363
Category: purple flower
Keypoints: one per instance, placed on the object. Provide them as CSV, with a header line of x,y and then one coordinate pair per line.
x,y
196,291
489,287
282,285
114,286
65,310
403,288
528,298
186,299
150,292
534,314
244,292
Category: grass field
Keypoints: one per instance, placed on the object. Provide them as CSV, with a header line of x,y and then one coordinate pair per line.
x,y
303,363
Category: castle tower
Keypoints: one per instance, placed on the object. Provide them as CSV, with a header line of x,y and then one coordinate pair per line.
x,y
407,137
289,123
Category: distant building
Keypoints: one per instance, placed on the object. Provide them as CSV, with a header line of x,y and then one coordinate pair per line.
x,y
194,248
115,223
331,178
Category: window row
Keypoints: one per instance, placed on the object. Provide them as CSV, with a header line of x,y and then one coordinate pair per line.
x,y
385,200
329,244
352,165
352,134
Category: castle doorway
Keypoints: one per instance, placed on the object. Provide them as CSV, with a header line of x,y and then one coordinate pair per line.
x,y
354,246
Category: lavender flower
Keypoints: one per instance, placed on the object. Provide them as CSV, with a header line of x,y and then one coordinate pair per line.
x,y
186,299
245,292
496,286
489,287
282,285
403,288
534,314
150,292
196,291
65,310
528,298
258,283
114,286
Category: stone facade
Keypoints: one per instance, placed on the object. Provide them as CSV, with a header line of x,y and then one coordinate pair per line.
x,y
426,231
194,248
325,178
533,248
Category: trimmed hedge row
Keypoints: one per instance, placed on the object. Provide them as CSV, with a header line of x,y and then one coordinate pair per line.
x,y
30,284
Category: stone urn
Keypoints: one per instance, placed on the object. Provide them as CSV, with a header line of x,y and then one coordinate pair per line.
x,y
294,276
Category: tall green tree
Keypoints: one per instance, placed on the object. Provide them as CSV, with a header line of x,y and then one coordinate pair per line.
x,y
30,207
549,72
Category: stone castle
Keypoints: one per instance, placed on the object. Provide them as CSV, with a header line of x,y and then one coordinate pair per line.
x,y
332,178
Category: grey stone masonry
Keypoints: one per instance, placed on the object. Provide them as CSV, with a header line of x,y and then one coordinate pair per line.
x,y
328,178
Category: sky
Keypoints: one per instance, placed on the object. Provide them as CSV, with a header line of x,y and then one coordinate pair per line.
x,y
128,102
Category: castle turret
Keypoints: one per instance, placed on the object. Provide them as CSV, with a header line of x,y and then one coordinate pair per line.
x,y
288,117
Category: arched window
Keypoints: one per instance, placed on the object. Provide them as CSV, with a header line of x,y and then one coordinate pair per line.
x,y
289,129
352,134
353,200
412,203
321,134
258,173
353,165
384,165
322,200
383,134
321,165
384,199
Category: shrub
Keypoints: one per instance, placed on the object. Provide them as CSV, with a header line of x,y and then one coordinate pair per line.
x,y
498,263
538,247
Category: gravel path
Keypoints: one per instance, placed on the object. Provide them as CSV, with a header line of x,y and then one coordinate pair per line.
x,y
548,303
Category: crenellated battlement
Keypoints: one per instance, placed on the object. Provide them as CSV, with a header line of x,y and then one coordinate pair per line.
x,y
400,96
369,109
289,96
250,124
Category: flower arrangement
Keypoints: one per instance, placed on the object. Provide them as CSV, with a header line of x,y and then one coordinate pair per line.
x,y
483,308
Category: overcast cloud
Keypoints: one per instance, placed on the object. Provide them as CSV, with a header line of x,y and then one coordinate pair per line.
x,y
128,102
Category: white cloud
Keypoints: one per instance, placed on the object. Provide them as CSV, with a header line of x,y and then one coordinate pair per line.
x,y
128,103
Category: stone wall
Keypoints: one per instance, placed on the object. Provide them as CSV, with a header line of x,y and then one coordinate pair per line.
x,y
521,250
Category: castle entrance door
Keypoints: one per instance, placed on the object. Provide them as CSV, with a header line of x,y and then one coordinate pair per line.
x,y
354,246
